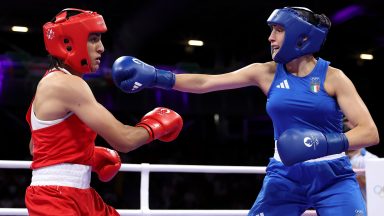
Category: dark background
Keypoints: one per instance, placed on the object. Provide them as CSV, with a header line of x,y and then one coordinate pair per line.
x,y
235,34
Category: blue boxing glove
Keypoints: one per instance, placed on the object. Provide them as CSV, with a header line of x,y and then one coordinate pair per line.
x,y
132,75
299,144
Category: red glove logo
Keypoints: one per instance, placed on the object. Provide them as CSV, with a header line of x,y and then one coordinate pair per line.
x,y
164,111
162,123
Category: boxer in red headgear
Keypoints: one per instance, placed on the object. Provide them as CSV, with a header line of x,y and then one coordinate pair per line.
x,y
66,38
65,118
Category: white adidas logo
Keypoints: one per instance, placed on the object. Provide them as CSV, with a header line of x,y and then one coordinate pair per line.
x,y
283,85
261,214
136,85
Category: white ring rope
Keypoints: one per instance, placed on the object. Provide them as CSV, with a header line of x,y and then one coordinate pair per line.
x,y
145,169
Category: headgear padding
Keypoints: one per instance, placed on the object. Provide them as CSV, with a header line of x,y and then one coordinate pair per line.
x,y
66,37
301,37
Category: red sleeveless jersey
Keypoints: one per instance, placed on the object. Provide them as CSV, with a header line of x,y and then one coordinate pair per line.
x,y
70,141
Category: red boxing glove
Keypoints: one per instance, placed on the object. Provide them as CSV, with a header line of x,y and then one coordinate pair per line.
x,y
106,163
162,123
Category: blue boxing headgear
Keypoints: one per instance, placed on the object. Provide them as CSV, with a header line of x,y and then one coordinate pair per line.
x,y
301,37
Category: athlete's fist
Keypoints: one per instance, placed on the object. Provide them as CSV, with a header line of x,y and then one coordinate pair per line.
x,y
162,123
132,75
299,144
106,163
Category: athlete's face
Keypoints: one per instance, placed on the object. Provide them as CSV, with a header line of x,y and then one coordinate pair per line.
x,y
276,38
95,49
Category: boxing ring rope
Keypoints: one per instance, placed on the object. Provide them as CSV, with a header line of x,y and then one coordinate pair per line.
x,y
145,169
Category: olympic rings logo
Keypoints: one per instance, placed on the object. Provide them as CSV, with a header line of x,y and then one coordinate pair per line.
x,y
379,190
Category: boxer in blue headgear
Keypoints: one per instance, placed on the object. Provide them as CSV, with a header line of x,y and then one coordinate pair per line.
x,y
305,32
306,99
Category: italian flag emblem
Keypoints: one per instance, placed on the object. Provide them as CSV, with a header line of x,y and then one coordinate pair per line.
x,y
315,84
315,88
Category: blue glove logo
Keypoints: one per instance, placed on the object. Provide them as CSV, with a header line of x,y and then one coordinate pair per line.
x,y
311,141
137,61
136,85
308,142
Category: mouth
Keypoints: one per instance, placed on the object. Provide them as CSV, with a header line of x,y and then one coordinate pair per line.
x,y
274,50
98,61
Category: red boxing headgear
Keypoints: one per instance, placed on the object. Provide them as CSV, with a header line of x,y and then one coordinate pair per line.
x,y
66,37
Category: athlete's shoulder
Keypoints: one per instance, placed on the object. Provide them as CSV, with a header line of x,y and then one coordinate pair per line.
x,y
271,65
262,74
336,80
59,85
261,68
62,81
334,73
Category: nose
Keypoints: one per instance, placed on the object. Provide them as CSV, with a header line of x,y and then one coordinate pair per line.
x,y
100,47
271,37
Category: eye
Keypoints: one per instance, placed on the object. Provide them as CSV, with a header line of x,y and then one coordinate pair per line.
x,y
279,29
94,38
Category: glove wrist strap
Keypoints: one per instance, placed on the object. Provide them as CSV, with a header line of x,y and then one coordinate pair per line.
x,y
149,130
337,143
165,79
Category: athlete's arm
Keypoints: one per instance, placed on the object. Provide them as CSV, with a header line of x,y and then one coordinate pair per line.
x,y
257,74
132,75
123,138
31,146
365,132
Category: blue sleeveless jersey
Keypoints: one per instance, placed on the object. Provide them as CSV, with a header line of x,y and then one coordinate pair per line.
x,y
302,102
